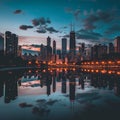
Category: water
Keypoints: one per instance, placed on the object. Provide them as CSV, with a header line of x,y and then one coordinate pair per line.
x,y
59,94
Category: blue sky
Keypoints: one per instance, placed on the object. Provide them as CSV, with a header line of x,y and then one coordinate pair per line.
x,y
96,21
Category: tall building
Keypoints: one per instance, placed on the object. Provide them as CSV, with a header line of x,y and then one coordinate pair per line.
x,y
111,48
48,41
64,47
49,49
117,44
1,45
59,53
72,42
11,43
54,47
97,51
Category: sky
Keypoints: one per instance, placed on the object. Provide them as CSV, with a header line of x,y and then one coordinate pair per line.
x,y
94,21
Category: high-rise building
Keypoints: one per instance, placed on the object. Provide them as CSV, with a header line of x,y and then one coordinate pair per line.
x,y
97,51
111,48
64,47
72,42
48,41
54,47
117,44
11,43
59,53
1,45
49,48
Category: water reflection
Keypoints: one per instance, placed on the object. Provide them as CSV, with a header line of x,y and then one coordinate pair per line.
x,y
47,93
53,80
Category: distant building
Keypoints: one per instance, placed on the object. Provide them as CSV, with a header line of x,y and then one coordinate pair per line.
x,y
111,48
117,44
19,51
97,51
48,41
49,49
72,43
43,52
54,47
1,45
11,43
59,53
64,47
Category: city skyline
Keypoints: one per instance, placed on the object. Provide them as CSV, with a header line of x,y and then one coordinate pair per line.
x,y
33,22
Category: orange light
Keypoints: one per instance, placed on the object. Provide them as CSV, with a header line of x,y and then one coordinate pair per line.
x,y
118,62
97,63
118,73
29,62
103,62
103,71
97,71
109,62
109,72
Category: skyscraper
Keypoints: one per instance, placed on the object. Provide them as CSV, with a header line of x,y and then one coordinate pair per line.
x,y
49,48
54,47
11,43
72,42
48,41
111,48
117,44
64,47
1,45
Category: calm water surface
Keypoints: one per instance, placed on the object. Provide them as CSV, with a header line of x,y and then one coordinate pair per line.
x,y
59,95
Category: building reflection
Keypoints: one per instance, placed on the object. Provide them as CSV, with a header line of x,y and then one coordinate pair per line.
x,y
64,84
68,80
8,85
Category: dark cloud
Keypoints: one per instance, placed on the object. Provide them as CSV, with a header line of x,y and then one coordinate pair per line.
x,y
115,28
41,31
24,105
17,11
25,27
88,35
99,16
41,21
35,22
51,30
76,13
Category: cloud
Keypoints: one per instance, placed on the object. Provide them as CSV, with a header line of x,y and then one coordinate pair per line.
x,y
113,29
41,21
98,16
75,12
41,31
51,30
17,11
25,27
68,10
88,35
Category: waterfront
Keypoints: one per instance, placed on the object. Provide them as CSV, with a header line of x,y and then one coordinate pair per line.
x,y
59,94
